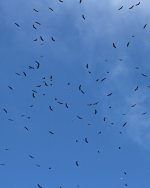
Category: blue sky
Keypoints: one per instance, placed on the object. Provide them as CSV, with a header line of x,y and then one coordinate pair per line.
x,y
78,42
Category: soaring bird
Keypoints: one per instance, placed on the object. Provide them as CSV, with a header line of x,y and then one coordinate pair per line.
x,y
114,45
138,4
17,24
39,186
50,9
41,38
120,8
136,88
66,105
24,74
77,163
26,128
144,26
131,7
38,64
124,124
53,39
133,105
50,132
50,108
128,44
31,156
109,94
35,40
144,75
38,23
61,1
86,140
5,110
33,26
10,87
79,117
35,10
83,16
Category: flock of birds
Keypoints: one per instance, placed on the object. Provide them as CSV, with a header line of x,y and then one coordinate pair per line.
x,y
49,82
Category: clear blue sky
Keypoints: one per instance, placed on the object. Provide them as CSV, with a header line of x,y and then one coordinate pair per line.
x,y
117,157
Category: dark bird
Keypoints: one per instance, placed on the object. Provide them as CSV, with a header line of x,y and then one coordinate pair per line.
x,y
50,108
136,88
124,124
144,113
38,86
66,105
128,44
35,40
37,165
34,91
138,4
10,87
50,9
79,117
95,103
53,39
104,119
133,105
39,186
60,102
41,38
10,119
17,24
144,26
50,132
61,1
33,26
125,173
33,95
18,74
83,17
119,147
87,66
103,79
38,64
5,110
26,128
81,89
114,45
45,83
30,67
77,163
24,74
31,156
144,75
131,7
86,140
35,10
95,112
38,23
120,8
80,1
109,94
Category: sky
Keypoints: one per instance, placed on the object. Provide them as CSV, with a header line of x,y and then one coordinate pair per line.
x,y
45,113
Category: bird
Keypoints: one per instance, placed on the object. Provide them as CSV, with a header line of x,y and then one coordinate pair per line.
x,y
138,3
17,74
38,23
50,9
31,156
128,44
136,88
66,105
5,110
80,1
144,26
144,75
39,186
53,39
50,108
77,163
30,67
2,164
103,79
120,8
61,1
41,38
38,64
35,10
133,105
131,7
34,26
109,94
17,24
124,124
86,140
114,45
10,87
79,117
95,112
83,16
24,74
26,128
35,40
50,132
33,95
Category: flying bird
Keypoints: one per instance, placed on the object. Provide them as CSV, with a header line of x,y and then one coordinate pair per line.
x,y
114,45
131,7
120,8
144,26
35,10
77,163
53,39
124,124
61,1
138,4
86,140
38,64
34,26
83,16
109,94
17,24
41,38
50,108
39,186
133,105
128,44
50,132
38,23
136,88
50,9
10,87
